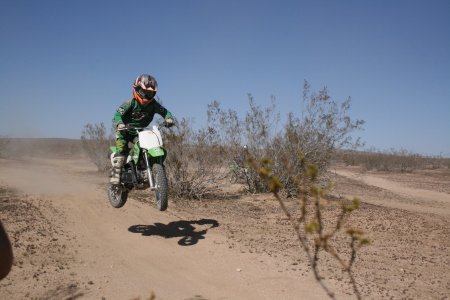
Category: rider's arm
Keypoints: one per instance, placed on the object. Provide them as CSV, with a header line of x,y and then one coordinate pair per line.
x,y
123,109
162,111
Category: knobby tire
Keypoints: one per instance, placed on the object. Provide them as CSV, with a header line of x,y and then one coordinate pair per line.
x,y
117,195
161,193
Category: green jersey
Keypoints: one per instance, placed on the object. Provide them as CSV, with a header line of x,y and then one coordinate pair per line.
x,y
132,113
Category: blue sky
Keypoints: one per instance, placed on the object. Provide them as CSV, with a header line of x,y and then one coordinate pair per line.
x,y
64,64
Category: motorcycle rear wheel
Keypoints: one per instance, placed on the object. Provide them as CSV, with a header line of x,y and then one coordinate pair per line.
x,y
117,195
161,193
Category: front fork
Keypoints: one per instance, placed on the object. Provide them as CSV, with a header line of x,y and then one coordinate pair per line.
x,y
149,171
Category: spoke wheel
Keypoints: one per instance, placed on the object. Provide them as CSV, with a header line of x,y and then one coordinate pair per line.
x,y
117,195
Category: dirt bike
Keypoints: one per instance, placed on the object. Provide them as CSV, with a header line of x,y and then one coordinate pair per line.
x,y
237,173
143,168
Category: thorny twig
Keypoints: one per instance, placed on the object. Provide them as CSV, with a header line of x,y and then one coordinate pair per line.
x,y
316,226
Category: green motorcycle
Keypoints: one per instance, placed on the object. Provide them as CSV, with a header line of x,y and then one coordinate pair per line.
x,y
143,168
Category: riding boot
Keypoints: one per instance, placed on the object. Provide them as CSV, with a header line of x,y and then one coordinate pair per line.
x,y
117,169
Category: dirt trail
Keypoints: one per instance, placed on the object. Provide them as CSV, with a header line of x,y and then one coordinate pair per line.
x,y
129,252
425,200
71,244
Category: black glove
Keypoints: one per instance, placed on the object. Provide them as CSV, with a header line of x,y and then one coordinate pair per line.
x,y
169,123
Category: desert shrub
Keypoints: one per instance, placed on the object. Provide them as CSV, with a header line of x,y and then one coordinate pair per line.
x,y
96,141
260,132
322,127
194,164
392,160
256,130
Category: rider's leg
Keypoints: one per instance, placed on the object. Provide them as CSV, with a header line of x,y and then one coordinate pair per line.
x,y
119,158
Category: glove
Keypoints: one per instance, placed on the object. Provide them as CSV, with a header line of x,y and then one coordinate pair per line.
x,y
120,126
169,123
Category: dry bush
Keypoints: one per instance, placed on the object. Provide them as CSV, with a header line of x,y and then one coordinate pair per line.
x,y
392,160
260,132
322,127
194,163
96,142
199,159
257,130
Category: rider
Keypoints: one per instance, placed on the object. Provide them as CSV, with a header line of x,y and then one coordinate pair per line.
x,y
139,111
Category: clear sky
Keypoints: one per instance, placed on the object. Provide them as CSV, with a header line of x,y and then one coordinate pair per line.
x,y
64,64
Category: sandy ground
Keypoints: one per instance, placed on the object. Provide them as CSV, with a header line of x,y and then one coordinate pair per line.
x,y
69,243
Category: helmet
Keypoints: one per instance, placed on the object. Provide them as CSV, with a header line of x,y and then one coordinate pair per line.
x,y
145,88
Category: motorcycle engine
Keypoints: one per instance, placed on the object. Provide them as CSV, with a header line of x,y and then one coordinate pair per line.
x,y
141,175
127,177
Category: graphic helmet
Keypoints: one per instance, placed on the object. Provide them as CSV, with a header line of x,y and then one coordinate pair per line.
x,y
145,88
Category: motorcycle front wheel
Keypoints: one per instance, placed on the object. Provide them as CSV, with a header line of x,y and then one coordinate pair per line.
x,y
117,195
161,186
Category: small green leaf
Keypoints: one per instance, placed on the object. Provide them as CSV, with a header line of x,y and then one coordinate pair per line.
x,y
311,227
275,185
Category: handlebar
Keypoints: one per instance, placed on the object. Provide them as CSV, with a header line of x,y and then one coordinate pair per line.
x,y
138,128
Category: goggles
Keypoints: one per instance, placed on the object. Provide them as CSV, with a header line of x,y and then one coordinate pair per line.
x,y
148,93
